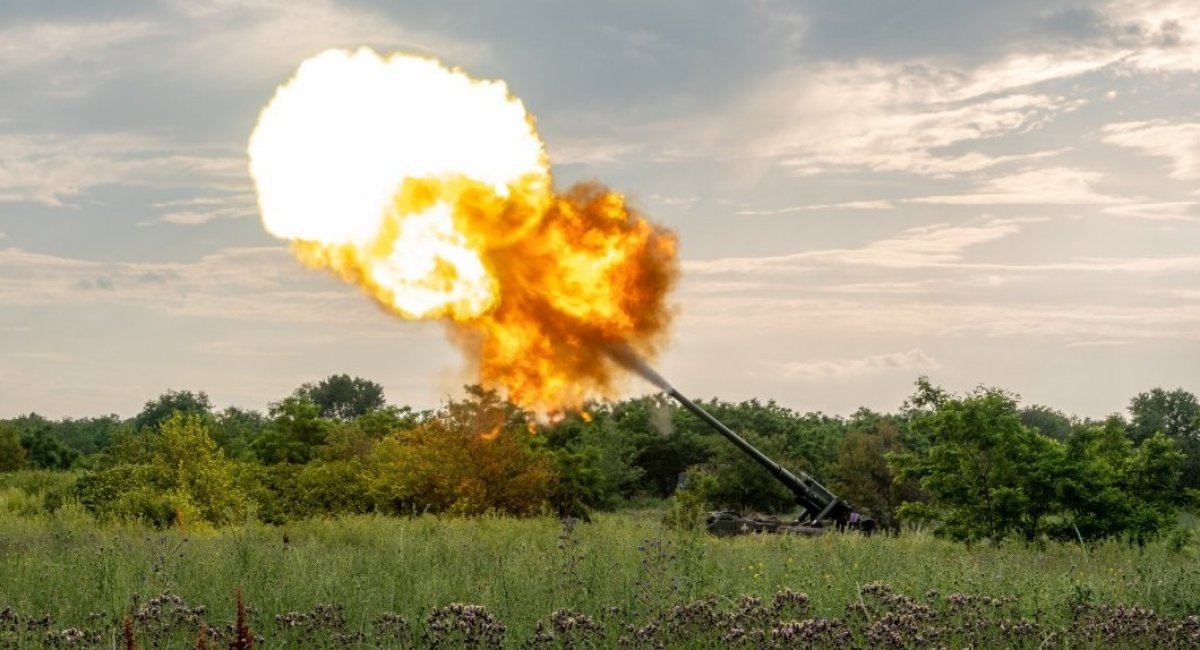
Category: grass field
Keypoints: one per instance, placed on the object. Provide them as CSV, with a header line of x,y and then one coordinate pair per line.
x,y
372,581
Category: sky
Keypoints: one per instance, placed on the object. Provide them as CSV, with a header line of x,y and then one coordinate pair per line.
x,y
998,193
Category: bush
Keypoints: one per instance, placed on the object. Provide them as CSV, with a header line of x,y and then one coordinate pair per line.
x,y
690,506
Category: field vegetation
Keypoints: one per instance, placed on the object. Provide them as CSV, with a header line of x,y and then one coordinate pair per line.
x,y
624,579
337,520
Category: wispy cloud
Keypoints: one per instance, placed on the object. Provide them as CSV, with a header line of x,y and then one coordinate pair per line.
x,y
1160,35
1055,185
888,117
841,317
1163,211
1179,143
236,284
250,41
52,168
915,360
933,245
927,116
40,43
203,209
589,152
846,205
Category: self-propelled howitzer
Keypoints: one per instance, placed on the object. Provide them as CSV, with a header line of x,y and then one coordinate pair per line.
x,y
821,507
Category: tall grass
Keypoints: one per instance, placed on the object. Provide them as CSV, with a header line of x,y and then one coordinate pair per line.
x,y
67,565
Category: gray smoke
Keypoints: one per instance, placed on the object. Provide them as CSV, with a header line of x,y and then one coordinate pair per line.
x,y
661,418
627,358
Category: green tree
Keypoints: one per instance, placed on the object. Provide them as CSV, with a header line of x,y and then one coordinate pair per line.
x,y
578,482
175,475
667,440
475,455
1047,421
44,451
158,410
235,430
340,397
740,483
861,475
295,432
12,453
43,448
988,475
813,437
1151,476
595,453
1089,483
1175,414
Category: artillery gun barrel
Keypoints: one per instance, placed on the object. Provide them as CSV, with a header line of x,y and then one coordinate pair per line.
x,y
817,501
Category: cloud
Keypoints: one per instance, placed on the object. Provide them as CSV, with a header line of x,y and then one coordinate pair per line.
x,y
248,41
589,152
52,168
1161,35
203,209
921,116
878,288
1025,69
847,205
1178,294
933,115
1164,211
937,246
887,117
263,284
910,361
842,318
924,246
1055,185
1177,142
41,43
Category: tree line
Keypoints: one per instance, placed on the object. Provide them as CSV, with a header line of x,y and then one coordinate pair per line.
x,y
972,467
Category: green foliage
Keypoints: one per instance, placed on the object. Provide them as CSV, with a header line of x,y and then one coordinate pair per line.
x,y
1176,414
811,439
158,410
1089,483
12,452
475,456
990,477
379,422
333,487
362,566
862,476
44,451
988,474
175,475
235,430
41,491
596,455
1151,475
338,397
976,466
740,483
692,502
1047,421
294,433
667,443
578,483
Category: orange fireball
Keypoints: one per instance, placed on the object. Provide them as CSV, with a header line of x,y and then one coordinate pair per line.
x,y
431,191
